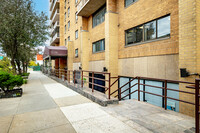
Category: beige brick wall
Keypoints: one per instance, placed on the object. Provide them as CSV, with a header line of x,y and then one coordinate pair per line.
x,y
62,25
141,12
95,34
73,27
189,44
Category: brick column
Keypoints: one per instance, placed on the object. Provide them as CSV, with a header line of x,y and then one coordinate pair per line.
x,y
85,46
70,55
189,47
111,41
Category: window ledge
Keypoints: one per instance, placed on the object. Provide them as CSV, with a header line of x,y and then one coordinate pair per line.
x,y
98,52
134,44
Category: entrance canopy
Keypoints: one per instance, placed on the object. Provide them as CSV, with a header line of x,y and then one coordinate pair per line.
x,y
54,52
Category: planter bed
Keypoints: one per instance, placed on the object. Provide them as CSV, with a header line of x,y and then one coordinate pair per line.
x,y
12,93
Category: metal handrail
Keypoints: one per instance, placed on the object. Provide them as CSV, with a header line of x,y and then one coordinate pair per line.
x,y
71,75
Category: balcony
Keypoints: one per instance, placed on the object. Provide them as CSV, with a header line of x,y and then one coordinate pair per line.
x,y
86,8
55,16
55,26
53,4
55,39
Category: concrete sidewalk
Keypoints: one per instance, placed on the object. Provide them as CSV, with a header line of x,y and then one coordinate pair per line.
x,y
49,107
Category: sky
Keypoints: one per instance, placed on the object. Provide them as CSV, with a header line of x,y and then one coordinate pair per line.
x,y
42,5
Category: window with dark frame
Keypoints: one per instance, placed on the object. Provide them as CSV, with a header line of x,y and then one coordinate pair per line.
x,y
68,11
68,25
65,16
99,17
76,34
129,2
159,28
65,4
76,52
65,42
68,38
65,29
76,17
98,46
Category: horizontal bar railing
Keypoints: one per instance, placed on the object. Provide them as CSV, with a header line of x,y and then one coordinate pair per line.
x,y
79,76
164,96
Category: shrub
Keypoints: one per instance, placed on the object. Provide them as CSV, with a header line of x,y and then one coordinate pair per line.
x,y
25,81
25,74
9,81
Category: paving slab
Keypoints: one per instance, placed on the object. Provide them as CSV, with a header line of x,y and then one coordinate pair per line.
x,y
67,128
172,128
102,124
71,100
5,123
9,106
137,127
35,103
82,111
35,121
57,90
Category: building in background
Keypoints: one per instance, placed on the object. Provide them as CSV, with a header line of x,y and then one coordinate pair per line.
x,y
132,38
39,59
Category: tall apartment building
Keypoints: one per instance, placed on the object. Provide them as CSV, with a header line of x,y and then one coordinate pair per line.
x,y
149,38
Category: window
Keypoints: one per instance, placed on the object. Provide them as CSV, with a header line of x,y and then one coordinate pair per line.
x,y
164,27
65,3
65,16
76,34
98,46
68,11
68,38
76,17
134,35
150,31
76,53
68,24
159,28
65,42
76,1
129,2
65,29
99,17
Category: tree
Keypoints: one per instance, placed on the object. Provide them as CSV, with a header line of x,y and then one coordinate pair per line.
x,y
21,30
32,63
5,65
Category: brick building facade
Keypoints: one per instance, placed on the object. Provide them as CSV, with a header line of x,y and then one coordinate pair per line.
x,y
98,35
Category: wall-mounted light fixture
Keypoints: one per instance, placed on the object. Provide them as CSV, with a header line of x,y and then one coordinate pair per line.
x,y
80,66
185,73
105,69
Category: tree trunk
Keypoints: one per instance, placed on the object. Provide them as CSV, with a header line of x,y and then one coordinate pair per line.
x,y
24,70
19,68
13,65
26,67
